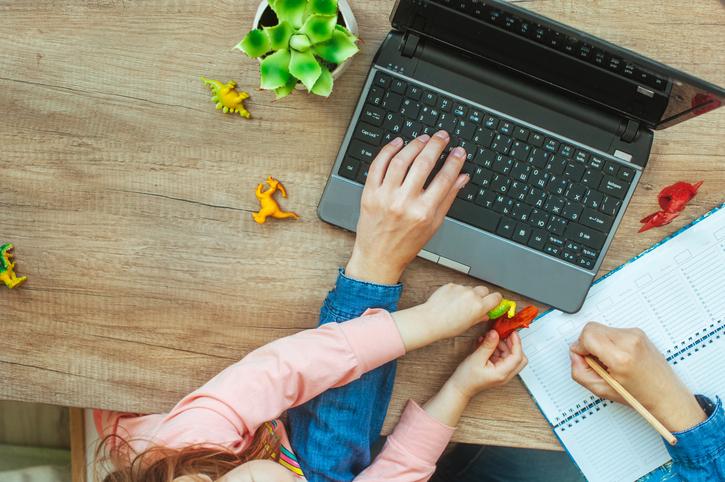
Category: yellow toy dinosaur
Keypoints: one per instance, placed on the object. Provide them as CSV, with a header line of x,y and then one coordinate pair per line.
x,y
268,204
227,98
6,267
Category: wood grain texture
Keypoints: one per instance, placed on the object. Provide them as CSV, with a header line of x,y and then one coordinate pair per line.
x,y
129,197
78,464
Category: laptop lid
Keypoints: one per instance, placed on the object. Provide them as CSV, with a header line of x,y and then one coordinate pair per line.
x,y
563,58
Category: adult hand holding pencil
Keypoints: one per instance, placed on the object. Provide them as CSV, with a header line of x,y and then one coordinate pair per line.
x,y
633,371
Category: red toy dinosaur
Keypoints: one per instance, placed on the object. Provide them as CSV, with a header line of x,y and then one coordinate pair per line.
x,y
672,200
505,325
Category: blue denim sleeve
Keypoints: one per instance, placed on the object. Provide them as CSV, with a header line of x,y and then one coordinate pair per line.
x,y
332,433
699,454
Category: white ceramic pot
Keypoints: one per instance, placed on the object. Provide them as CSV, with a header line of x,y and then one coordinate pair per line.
x,y
350,23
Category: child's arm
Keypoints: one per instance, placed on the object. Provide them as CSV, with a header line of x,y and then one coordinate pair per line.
x,y
412,450
292,370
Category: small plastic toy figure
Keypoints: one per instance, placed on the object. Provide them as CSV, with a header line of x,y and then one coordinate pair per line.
x,y
227,98
507,307
268,204
6,267
672,200
505,326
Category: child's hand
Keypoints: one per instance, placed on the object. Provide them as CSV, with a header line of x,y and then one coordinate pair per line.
x,y
450,310
494,363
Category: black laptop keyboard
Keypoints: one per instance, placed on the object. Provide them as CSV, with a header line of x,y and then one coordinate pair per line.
x,y
526,186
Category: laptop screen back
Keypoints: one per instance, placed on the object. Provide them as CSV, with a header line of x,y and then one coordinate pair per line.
x,y
564,58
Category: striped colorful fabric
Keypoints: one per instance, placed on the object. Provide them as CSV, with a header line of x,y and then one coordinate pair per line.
x,y
289,461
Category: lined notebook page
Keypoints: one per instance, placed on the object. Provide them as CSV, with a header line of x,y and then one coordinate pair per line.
x,y
675,292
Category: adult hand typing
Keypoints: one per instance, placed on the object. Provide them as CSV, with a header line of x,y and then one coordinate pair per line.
x,y
632,359
397,214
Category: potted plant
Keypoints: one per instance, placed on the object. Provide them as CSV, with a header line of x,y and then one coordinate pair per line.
x,y
301,43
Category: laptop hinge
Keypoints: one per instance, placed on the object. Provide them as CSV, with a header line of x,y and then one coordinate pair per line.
x,y
409,44
630,131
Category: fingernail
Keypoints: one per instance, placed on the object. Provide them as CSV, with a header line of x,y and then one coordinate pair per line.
x,y
442,135
463,181
424,138
480,340
397,142
458,152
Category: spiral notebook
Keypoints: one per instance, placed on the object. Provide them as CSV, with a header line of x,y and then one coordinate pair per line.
x,y
675,292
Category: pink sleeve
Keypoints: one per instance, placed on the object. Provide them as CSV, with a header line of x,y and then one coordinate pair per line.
x,y
282,374
412,450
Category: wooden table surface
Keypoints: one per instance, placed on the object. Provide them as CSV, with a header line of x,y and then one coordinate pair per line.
x,y
128,197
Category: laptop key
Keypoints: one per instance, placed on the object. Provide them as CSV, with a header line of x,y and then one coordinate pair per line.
x,y
398,86
626,174
594,199
371,135
592,178
446,121
392,101
577,192
522,233
568,256
373,115
506,128
611,168
503,164
588,252
610,205
581,157
411,130
410,108
414,92
538,238
572,247
557,165
483,137
444,104
428,115
521,133
551,144
596,220
459,109
465,129
501,143
585,262
552,250
468,193
500,183
587,236
506,228
566,150
362,173
430,98
349,168
520,150
557,225
490,122
474,215
520,171
536,139
574,171
613,187
572,211
376,95
539,157
382,80
362,151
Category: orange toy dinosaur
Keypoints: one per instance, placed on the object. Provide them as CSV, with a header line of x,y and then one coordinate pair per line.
x,y
268,204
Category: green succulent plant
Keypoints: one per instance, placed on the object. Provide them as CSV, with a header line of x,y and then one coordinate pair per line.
x,y
303,47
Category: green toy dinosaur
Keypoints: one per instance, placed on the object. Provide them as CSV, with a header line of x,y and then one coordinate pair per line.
x,y
6,267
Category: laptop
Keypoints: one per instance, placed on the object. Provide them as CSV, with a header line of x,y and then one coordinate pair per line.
x,y
557,125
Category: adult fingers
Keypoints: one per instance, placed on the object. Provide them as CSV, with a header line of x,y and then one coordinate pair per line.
x,y
594,340
442,183
582,373
399,164
376,173
445,204
491,301
426,161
